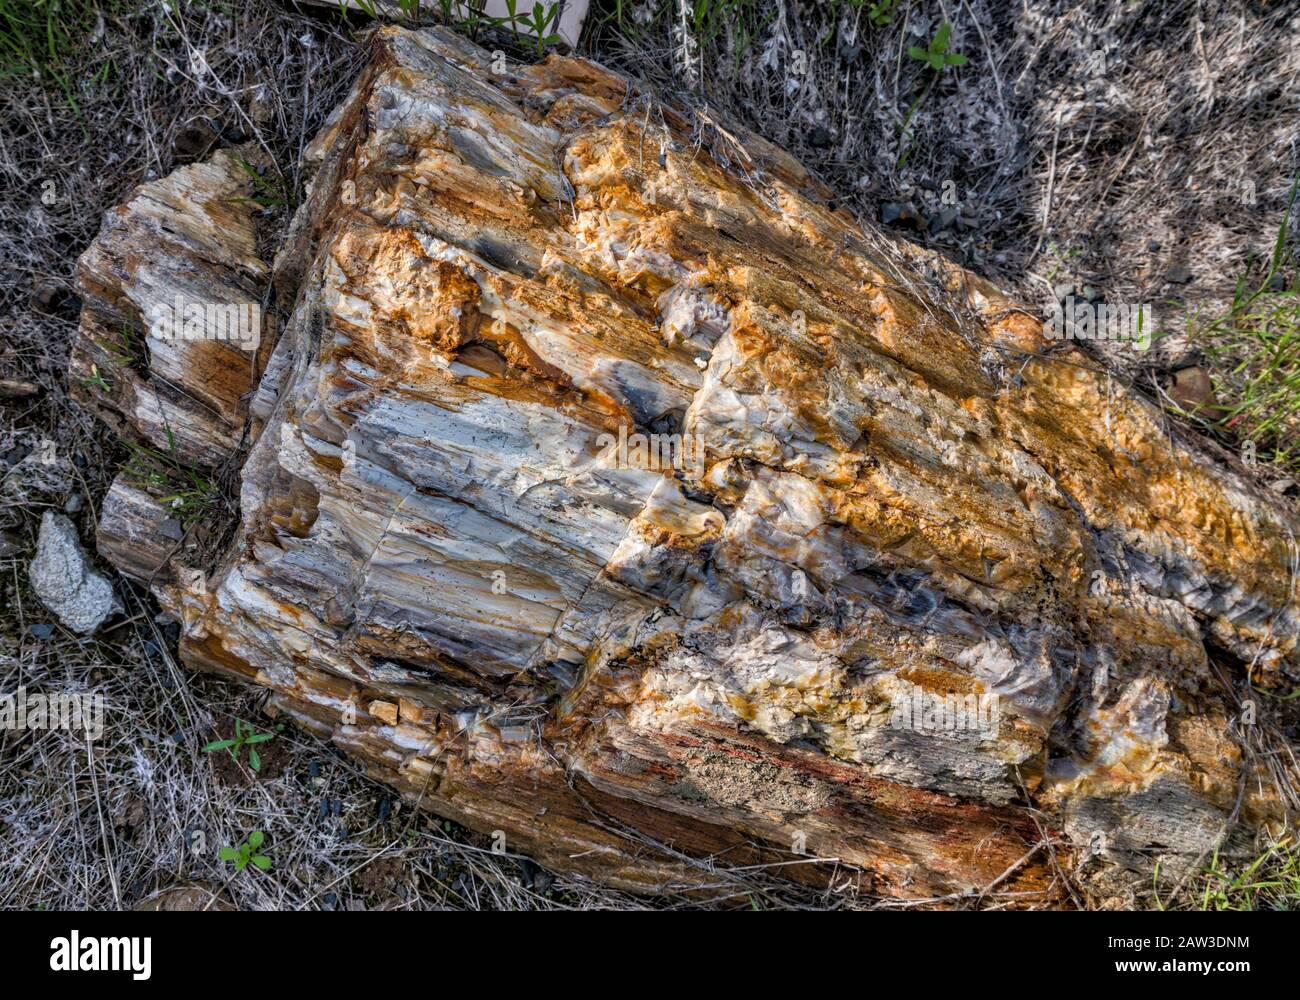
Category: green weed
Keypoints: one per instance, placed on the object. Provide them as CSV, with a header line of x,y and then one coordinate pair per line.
x,y
245,738
1257,342
937,55
247,852
938,58
189,495
1269,882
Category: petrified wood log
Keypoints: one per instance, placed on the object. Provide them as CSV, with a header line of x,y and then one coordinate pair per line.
x,y
605,487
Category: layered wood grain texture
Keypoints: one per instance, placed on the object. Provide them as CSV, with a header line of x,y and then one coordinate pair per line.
x,y
901,487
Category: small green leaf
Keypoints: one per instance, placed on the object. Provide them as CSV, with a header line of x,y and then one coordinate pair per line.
x,y
255,762
936,61
916,52
218,745
941,37
956,59
260,738
227,854
241,863
255,839
262,861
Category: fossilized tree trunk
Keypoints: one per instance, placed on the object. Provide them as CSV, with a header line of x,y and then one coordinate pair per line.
x,y
447,563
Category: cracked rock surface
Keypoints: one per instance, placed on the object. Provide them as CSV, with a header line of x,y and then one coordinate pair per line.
x,y
608,489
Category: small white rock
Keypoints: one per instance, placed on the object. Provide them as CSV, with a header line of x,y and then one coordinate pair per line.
x,y
64,580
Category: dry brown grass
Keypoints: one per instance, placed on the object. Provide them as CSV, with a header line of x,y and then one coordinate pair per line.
x,y
1146,120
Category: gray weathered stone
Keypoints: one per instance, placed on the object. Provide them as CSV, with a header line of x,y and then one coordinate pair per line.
x,y
65,581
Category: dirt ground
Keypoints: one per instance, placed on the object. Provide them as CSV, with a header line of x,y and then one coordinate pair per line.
x,y
1117,151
